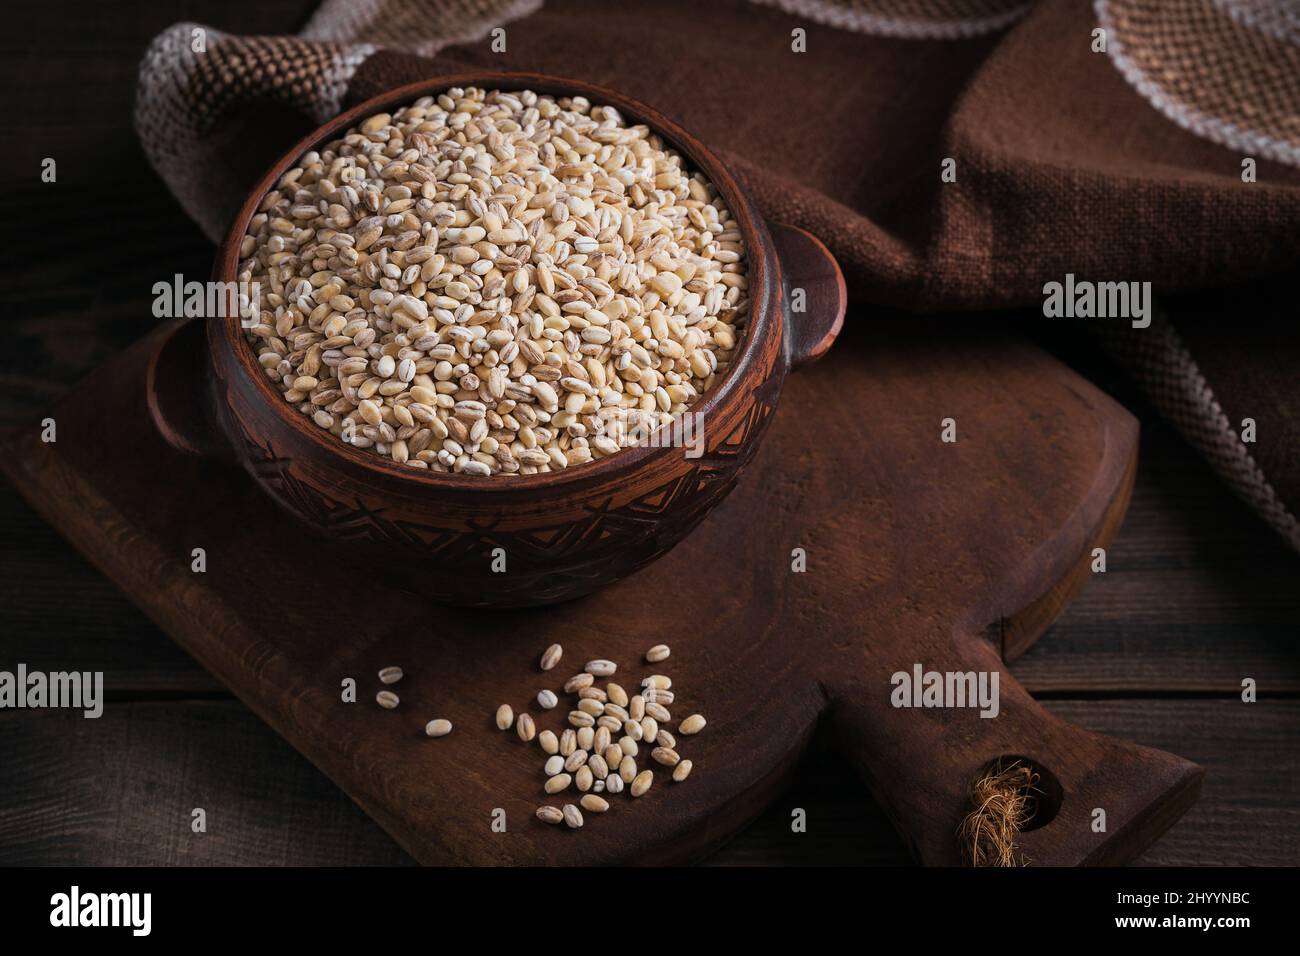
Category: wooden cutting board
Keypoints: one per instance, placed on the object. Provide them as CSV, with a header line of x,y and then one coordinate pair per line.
x,y
950,555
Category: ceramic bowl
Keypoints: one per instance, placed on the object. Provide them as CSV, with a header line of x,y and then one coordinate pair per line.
x,y
558,535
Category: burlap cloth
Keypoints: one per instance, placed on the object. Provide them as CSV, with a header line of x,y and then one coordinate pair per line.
x,y
1122,165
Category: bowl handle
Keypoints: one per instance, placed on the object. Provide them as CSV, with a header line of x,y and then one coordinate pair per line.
x,y
815,296
178,392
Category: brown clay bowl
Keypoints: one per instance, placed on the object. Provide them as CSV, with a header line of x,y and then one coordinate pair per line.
x,y
562,534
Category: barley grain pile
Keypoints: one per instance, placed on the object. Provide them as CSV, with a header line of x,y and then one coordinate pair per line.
x,y
608,730
495,283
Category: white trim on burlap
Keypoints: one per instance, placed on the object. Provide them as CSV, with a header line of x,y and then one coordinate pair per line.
x,y
845,17
1217,129
1161,364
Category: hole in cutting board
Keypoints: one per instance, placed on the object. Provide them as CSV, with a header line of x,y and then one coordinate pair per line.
x,y
1046,794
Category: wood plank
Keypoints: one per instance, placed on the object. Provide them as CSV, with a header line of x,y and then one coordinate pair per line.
x,y
1197,594
58,613
119,790
1249,811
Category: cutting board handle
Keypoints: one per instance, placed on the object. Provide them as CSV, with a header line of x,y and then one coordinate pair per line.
x,y
178,392
1100,800
814,293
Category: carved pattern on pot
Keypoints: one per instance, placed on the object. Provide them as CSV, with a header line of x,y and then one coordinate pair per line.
x,y
601,533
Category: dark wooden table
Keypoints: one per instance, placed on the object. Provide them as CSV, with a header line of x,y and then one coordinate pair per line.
x,y
1198,594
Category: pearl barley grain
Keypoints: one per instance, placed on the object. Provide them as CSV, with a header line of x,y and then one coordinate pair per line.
x,y
386,699
666,756
438,728
440,264
505,717
577,682
659,652
641,783
691,725
525,728
390,675
551,656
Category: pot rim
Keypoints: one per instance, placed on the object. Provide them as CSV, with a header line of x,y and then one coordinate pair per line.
x,y
765,295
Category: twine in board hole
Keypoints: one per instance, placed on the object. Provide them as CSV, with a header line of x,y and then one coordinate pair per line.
x,y
1004,800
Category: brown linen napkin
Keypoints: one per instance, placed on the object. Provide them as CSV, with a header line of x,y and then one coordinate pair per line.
x,y
1064,162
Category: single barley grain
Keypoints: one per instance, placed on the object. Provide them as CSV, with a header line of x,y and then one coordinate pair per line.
x,y
665,739
627,769
616,694
598,766
550,815
609,722
593,708
577,682
691,725
628,746
551,656
636,707
557,783
572,816
586,738
387,699
554,765
583,779
579,719
390,675
641,783
568,743
682,770
658,711
525,728
614,783
546,699
548,741
594,804
575,760
666,756
505,717
601,668
438,728
659,652
592,693
657,682
649,729
614,710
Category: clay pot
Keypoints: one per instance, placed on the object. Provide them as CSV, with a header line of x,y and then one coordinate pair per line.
x,y
560,534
